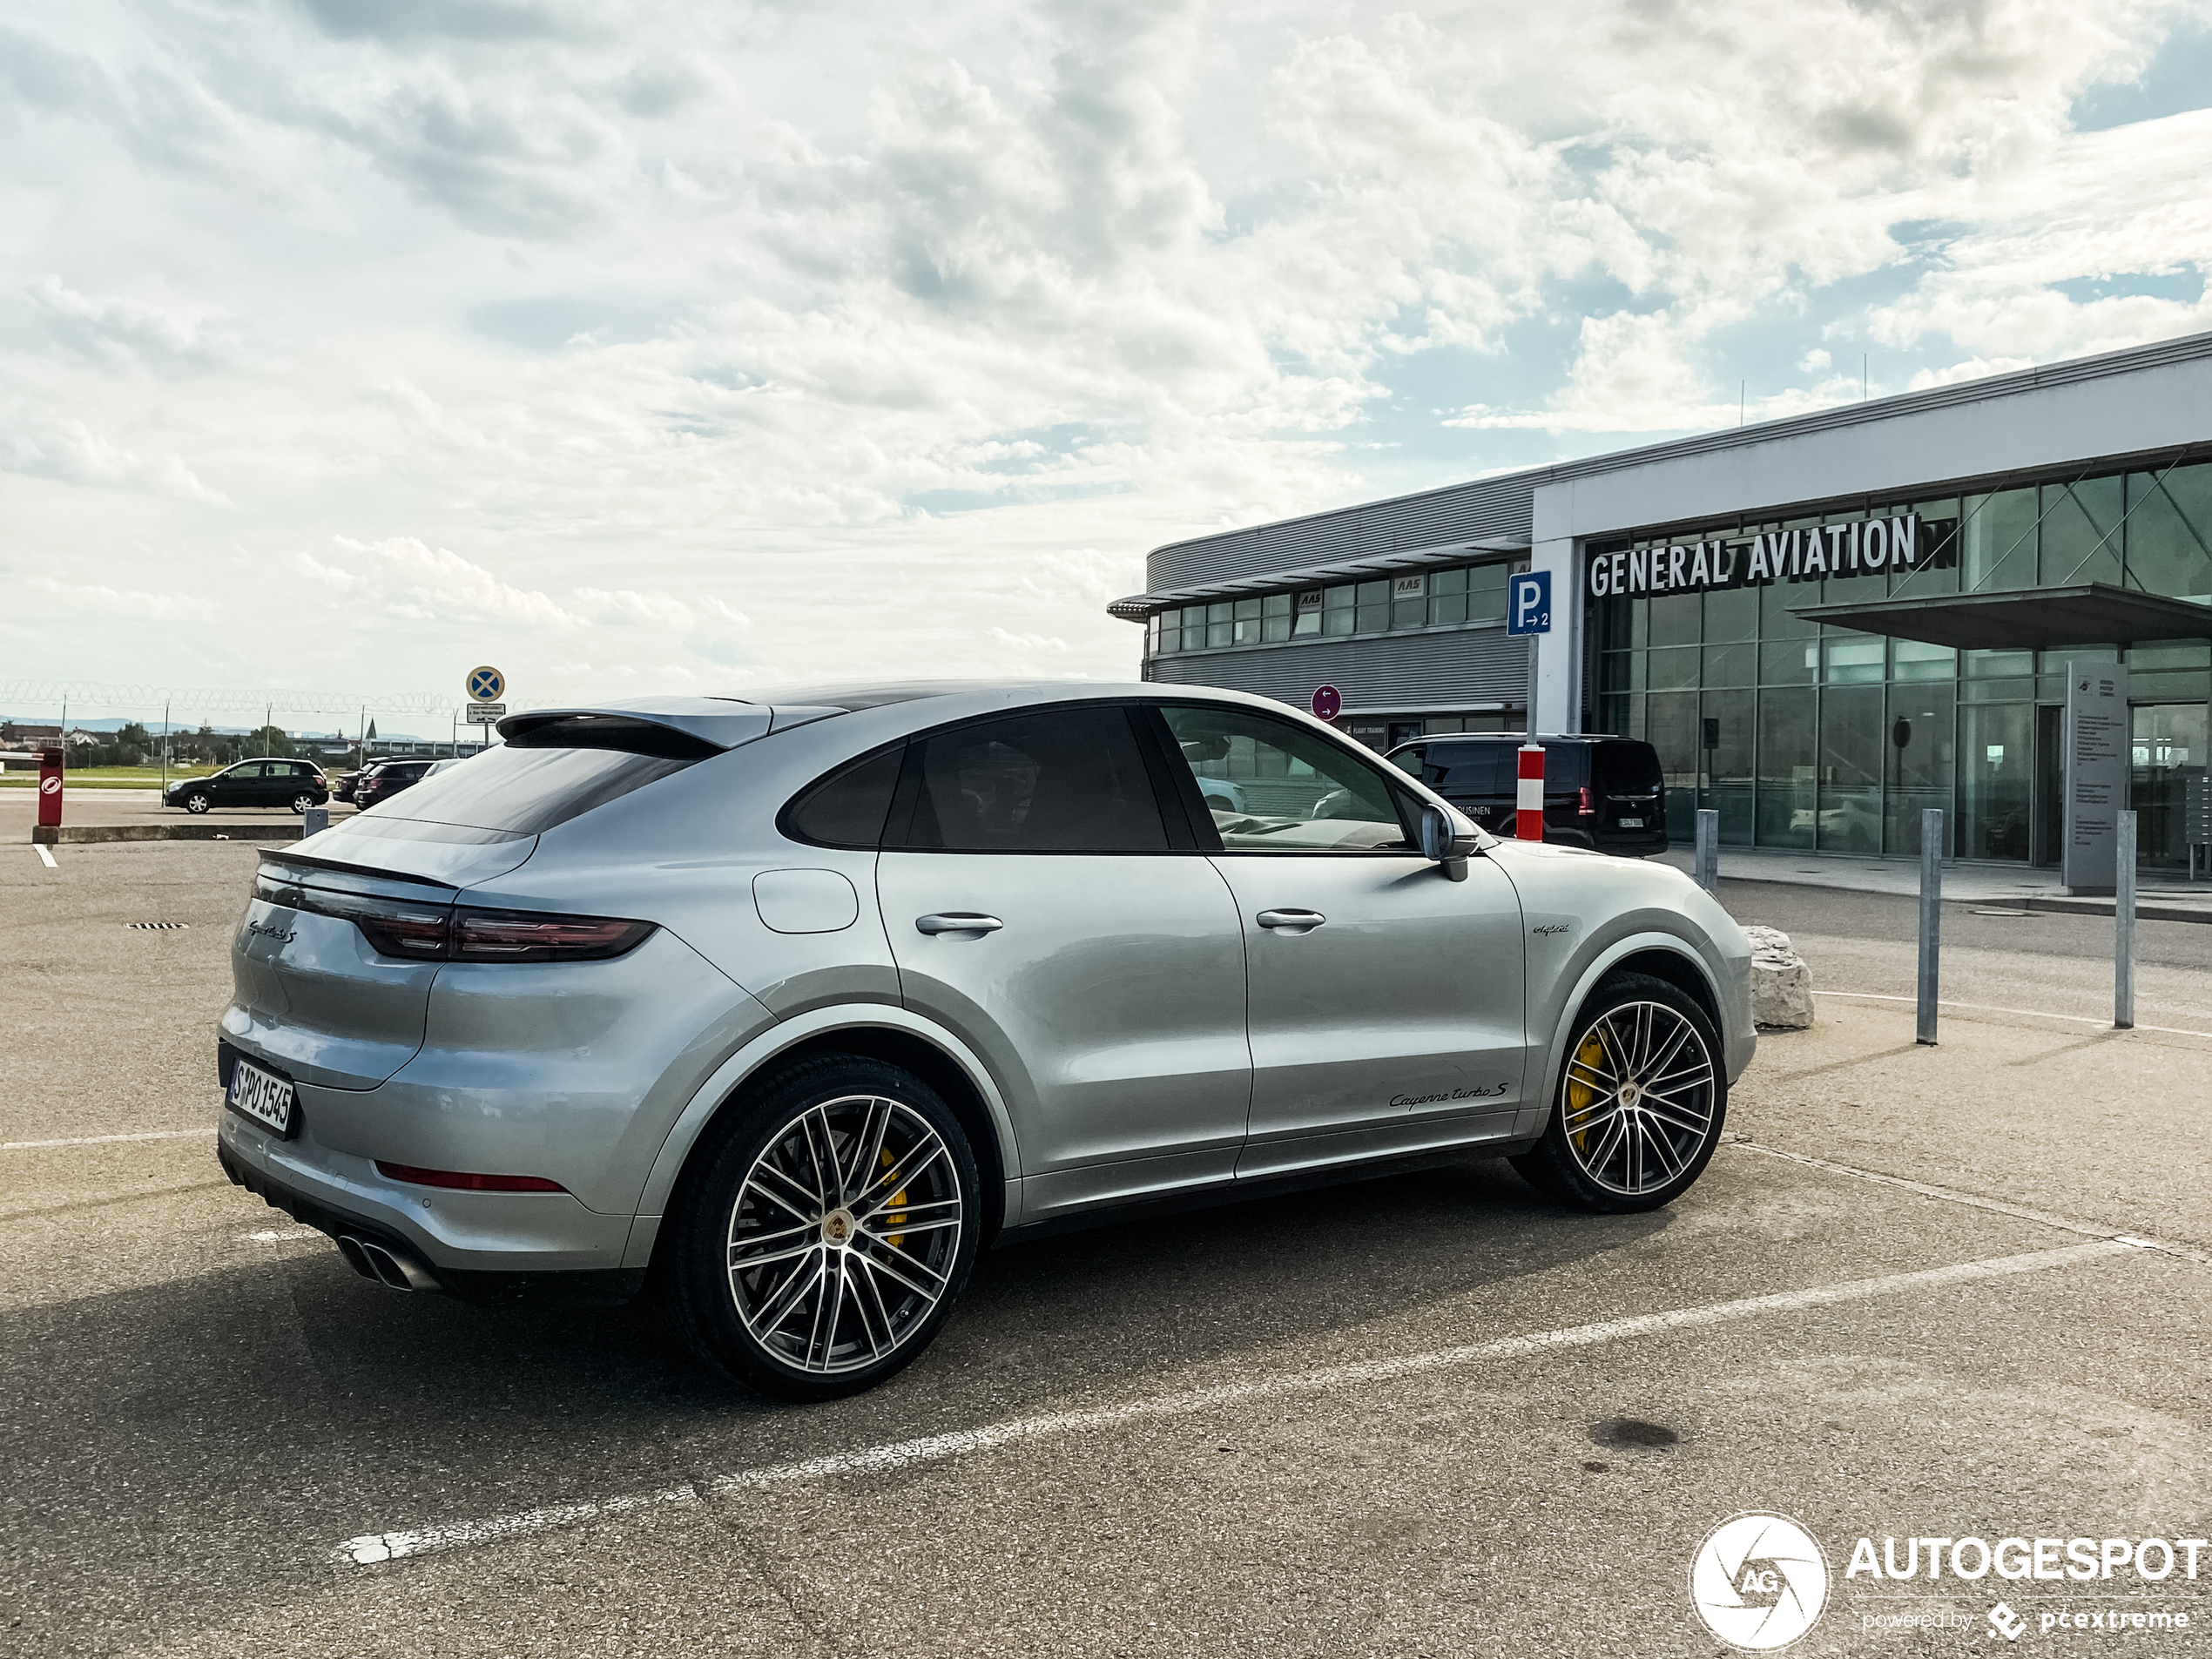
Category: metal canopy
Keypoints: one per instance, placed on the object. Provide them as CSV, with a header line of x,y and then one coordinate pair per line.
x,y
2093,613
1138,606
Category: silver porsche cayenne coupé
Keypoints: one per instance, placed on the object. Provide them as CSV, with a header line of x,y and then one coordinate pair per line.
x,y
781,1010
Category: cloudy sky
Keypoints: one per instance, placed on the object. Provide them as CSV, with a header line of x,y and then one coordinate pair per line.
x,y
345,344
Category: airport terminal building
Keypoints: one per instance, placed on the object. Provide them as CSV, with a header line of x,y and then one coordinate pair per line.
x,y
1824,624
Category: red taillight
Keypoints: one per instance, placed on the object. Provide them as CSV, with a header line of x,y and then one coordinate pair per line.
x,y
406,930
1589,803
512,936
455,1178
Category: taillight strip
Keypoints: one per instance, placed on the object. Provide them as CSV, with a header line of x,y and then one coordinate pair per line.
x,y
415,1175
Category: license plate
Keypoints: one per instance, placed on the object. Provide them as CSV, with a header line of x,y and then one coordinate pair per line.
x,y
269,1100
1632,823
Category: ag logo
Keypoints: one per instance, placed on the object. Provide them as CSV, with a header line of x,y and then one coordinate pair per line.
x,y
1758,1582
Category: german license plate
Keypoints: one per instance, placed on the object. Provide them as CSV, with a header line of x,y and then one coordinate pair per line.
x,y
1632,823
268,1100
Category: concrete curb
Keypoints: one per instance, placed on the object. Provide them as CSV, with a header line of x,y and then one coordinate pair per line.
x,y
77,834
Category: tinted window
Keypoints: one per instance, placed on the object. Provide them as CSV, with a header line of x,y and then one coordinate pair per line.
x,y
1274,788
1469,768
847,808
1627,768
1063,780
525,791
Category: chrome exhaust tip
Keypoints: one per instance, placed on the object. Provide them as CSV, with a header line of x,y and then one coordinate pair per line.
x,y
385,1265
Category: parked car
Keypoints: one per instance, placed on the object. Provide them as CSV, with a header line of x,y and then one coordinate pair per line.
x,y
1603,793
780,1013
295,784
342,783
387,778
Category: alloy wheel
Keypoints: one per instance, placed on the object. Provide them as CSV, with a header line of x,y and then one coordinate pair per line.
x,y
1641,1090
845,1234
196,803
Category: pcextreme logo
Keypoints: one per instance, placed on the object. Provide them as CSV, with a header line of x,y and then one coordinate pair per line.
x,y
1758,1582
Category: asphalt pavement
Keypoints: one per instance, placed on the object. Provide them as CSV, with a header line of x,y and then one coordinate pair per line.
x,y
1957,1291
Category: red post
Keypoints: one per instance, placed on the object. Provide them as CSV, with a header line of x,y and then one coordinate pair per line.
x,y
1529,796
50,796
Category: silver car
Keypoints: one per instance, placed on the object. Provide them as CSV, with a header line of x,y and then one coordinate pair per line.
x,y
780,1011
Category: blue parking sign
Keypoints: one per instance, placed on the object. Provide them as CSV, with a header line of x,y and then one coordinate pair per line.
x,y
1528,604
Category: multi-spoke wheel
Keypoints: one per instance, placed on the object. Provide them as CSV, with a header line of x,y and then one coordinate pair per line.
x,y
828,1234
1641,1101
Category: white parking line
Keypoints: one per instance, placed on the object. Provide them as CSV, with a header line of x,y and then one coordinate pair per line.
x,y
44,857
2033,1014
393,1546
102,1140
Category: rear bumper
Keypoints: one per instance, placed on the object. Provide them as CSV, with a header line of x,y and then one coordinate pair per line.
x,y
480,1245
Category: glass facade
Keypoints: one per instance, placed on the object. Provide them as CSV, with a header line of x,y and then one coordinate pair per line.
x,y
1465,594
1830,740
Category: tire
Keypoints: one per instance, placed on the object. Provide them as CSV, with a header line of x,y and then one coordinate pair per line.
x,y
1613,1157
864,1296
299,805
197,802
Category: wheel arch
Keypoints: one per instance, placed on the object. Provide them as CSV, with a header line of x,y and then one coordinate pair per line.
x,y
1663,956
874,1031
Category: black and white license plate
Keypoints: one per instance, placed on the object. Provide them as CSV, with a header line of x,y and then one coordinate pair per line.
x,y
1631,823
269,1100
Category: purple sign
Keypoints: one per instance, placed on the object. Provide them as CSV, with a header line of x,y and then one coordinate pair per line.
x,y
1327,704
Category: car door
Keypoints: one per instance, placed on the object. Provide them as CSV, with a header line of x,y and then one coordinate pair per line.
x,y
240,786
1040,907
1386,998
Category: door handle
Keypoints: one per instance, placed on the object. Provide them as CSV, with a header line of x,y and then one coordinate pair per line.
x,y
1298,921
957,921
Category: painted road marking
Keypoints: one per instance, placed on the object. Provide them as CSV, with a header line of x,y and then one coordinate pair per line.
x,y
373,1548
102,1140
2032,1014
44,857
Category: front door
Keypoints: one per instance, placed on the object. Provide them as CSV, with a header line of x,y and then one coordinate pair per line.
x,y
1037,908
1385,999
244,786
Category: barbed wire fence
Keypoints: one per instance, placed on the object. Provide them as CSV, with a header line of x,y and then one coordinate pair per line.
x,y
20,698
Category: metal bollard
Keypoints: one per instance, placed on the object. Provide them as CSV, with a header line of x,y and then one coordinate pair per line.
x,y
2123,927
1931,919
1708,848
317,820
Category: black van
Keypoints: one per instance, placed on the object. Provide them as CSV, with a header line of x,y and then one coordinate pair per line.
x,y
1603,793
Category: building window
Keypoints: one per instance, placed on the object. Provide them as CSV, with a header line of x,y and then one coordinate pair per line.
x,y
1409,601
1335,611
1275,618
1309,613
1220,626
1247,624
1373,607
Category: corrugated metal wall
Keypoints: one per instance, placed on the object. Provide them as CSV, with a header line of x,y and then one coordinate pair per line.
x,y
1373,671
1487,507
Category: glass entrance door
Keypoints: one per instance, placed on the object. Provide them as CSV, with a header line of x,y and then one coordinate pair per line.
x,y
2169,750
2050,784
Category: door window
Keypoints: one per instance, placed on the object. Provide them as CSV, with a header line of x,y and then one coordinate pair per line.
x,y
1272,787
1069,779
250,772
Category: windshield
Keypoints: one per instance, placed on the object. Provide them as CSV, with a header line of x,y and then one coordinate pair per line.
x,y
526,791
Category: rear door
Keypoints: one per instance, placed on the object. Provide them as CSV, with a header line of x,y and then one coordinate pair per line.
x,y
1385,999
1102,977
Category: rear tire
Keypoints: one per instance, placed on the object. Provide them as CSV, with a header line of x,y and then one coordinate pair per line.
x,y
301,803
821,1235
1640,1104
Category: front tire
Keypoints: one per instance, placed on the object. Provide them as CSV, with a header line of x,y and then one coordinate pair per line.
x,y
197,803
819,1244
1641,1101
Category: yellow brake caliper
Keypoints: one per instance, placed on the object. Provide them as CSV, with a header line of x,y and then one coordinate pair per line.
x,y
897,1241
1582,1095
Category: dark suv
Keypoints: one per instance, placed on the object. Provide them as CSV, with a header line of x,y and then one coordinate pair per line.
x,y
386,779
252,782
1603,793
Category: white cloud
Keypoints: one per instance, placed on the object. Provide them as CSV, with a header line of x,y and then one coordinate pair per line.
x,y
732,343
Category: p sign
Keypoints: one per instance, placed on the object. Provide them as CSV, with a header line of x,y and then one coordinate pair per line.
x,y
1528,604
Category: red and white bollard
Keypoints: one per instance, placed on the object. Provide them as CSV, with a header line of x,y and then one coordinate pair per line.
x,y
1528,795
47,832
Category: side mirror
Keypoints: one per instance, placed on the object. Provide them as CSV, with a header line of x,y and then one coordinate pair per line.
x,y
1442,844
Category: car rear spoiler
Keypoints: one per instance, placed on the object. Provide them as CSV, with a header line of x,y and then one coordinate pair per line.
x,y
718,723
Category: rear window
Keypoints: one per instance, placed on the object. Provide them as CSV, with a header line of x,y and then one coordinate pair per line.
x,y
1627,768
527,791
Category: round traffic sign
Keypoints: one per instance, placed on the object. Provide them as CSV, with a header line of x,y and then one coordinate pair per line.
x,y
49,785
1327,704
486,685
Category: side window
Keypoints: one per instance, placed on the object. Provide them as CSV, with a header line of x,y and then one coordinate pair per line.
x,y
251,769
1272,787
1069,779
848,807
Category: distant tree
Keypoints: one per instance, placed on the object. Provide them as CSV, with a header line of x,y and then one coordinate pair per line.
x,y
270,740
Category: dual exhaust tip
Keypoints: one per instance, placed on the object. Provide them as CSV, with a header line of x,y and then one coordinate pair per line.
x,y
385,1265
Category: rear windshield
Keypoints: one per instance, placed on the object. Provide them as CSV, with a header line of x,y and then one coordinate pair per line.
x,y
1627,768
527,791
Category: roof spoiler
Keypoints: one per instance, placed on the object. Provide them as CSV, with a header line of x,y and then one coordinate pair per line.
x,y
712,723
